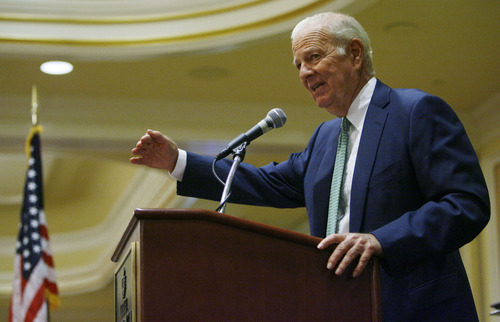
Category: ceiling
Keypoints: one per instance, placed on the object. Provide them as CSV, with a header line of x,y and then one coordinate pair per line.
x,y
202,90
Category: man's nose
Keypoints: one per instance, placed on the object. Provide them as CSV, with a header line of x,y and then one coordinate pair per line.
x,y
305,71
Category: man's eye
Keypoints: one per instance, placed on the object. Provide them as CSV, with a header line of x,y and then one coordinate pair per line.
x,y
315,56
299,65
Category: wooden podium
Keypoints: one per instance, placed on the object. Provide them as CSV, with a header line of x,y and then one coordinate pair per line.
x,y
199,265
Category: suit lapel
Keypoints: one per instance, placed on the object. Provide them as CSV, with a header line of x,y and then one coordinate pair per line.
x,y
373,126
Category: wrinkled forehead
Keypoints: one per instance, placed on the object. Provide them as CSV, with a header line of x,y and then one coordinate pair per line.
x,y
311,37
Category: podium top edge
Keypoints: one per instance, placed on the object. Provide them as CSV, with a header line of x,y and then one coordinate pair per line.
x,y
215,217
226,219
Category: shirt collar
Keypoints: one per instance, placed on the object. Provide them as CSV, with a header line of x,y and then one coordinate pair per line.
x,y
357,110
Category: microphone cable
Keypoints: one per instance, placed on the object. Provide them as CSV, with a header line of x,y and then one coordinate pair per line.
x,y
223,202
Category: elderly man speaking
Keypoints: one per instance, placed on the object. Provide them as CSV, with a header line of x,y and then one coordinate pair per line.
x,y
394,175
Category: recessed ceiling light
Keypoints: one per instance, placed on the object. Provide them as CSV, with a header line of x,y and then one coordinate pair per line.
x,y
56,67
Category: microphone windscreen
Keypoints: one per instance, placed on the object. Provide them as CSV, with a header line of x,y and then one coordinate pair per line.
x,y
277,116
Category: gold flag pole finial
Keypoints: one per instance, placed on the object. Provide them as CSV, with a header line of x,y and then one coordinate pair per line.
x,y
34,106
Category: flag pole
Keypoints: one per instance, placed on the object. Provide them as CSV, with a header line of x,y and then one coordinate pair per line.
x,y
34,123
34,106
35,128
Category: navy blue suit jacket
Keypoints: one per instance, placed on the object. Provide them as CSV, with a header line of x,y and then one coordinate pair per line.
x,y
417,187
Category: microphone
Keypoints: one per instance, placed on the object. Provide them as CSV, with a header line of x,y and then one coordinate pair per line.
x,y
274,119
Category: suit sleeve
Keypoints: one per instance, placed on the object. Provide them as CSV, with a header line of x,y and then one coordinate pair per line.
x,y
279,185
448,175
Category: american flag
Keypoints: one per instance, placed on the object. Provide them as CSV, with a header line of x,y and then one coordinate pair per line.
x,y
34,287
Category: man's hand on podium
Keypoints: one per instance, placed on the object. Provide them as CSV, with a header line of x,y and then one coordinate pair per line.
x,y
351,246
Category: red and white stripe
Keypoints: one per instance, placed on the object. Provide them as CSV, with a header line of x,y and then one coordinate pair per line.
x,y
28,301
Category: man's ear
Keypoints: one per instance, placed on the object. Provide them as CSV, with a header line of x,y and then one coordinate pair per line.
x,y
357,52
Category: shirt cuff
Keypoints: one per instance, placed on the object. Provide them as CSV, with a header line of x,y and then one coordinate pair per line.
x,y
180,166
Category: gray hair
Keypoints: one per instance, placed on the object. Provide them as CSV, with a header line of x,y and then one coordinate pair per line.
x,y
343,28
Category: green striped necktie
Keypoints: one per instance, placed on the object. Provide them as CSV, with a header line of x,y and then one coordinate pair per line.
x,y
332,225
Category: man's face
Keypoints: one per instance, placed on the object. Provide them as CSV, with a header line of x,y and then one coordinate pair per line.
x,y
332,79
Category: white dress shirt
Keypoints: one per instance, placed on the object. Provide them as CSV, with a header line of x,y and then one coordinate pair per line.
x,y
355,115
180,166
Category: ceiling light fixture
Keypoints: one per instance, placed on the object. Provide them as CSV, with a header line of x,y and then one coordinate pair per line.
x,y
56,67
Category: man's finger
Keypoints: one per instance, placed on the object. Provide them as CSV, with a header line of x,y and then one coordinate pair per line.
x,y
330,240
145,140
138,151
363,261
154,135
137,160
339,252
350,252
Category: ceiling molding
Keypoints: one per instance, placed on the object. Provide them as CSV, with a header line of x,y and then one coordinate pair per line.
x,y
157,27
121,11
